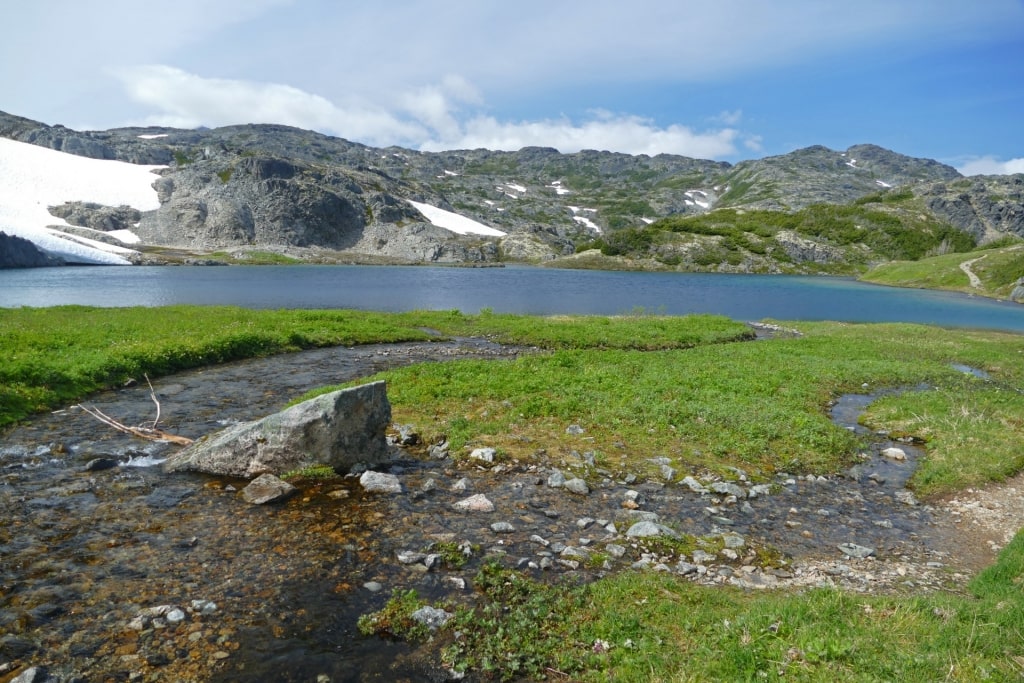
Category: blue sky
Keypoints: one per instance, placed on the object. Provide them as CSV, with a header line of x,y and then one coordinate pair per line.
x,y
724,79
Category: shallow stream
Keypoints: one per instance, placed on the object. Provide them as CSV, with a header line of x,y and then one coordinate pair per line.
x,y
85,552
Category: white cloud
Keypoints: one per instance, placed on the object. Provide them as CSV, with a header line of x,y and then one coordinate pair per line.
x,y
186,100
428,118
625,133
728,118
989,165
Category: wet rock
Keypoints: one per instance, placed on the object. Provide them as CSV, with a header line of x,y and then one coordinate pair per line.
x,y
410,557
267,488
476,503
14,647
339,429
438,451
380,482
168,496
407,435
502,528
556,479
373,586
100,464
893,453
35,674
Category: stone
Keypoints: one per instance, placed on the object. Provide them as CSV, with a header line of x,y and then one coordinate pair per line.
x,y
897,454
728,488
99,464
577,486
556,479
857,551
645,529
339,429
380,482
485,454
733,541
267,488
693,485
502,528
373,586
476,503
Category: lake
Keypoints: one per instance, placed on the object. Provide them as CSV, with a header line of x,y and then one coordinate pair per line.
x,y
520,289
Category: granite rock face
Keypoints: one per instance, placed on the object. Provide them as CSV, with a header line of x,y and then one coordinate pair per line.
x,y
340,429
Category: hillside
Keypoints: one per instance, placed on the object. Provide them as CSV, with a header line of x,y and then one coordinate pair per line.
x,y
242,193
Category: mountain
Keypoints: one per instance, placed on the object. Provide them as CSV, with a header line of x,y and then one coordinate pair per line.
x,y
240,193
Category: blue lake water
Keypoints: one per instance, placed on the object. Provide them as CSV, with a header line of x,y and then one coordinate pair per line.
x,y
529,290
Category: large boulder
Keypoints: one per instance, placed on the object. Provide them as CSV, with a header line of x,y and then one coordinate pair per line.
x,y
339,429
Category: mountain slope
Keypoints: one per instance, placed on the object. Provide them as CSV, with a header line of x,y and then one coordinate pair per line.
x,y
237,190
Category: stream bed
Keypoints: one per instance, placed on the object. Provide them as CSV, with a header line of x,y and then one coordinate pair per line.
x,y
112,570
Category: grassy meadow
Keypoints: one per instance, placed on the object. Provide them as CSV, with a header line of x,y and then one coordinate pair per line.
x,y
696,389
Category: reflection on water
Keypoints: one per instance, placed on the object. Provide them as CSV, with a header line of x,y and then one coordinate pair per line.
x,y
541,291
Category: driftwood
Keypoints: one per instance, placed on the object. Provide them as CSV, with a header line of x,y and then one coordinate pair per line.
x,y
151,433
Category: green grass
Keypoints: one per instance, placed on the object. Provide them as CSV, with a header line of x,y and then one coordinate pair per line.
x,y
659,385
651,626
52,356
761,406
997,268
256,258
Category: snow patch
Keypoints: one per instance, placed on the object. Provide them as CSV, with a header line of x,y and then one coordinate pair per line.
x,y
152,136
583,220
33,178
452,221
883,184
518,188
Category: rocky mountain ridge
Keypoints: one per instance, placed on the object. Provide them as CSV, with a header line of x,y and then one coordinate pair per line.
x,y
271,188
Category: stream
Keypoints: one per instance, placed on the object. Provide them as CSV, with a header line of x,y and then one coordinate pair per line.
x,y
112,570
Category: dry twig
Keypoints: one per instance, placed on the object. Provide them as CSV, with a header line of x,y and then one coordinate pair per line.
x,y
150,433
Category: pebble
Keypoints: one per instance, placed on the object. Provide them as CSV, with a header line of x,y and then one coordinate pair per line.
x,y
475,503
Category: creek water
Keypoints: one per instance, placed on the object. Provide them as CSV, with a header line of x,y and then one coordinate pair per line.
x,y
84,552
542,291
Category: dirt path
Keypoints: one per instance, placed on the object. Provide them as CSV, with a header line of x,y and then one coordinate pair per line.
x,y
966,267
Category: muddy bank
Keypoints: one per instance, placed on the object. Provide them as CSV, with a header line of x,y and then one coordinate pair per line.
x,y
121,572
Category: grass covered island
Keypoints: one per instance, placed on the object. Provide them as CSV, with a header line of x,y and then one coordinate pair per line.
x,y
696,389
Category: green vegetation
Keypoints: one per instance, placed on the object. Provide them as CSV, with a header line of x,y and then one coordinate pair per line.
x,y
256,258
997,267
53,356
225,175
661,385
314,472
860,232
649,626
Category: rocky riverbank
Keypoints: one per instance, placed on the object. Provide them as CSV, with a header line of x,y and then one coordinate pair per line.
x,y
114,570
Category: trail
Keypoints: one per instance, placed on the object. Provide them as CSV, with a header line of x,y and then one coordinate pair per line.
x,y
966,267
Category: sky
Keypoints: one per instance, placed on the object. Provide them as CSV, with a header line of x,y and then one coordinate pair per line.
x,y
714,79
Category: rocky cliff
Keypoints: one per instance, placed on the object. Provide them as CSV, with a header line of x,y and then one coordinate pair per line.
x,y
16,252
316,197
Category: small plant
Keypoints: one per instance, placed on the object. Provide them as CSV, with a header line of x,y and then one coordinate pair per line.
x,y
311,472
395,620
225,175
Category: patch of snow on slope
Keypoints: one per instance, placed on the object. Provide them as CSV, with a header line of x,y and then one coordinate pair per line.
x,y
518,188
557,187
33,178
152,136
583,220
454,222
852,163
883,184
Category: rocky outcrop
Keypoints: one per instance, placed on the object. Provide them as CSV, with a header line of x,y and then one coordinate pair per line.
x,y
988,207
339,429
16,252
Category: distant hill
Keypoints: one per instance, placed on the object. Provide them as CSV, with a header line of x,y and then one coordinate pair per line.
x,y
239,193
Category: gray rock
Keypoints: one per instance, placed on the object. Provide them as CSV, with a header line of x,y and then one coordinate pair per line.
x,y
18,252
728,488
410,557
577,486
645,529
857,551
703,557
484,454
267,488
380,482
502,528
667,473
894,453
431,617
556,479
693,485
732,540
373,586
476,503
338,429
